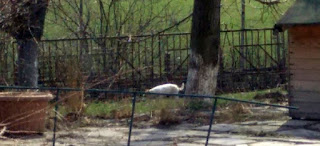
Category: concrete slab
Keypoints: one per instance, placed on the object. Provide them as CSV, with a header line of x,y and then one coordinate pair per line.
x,y
219,128
184,135
301,133
271,143
315,127
226,141
298,123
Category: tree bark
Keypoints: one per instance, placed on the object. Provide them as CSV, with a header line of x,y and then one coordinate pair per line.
x,y
28,62
205,43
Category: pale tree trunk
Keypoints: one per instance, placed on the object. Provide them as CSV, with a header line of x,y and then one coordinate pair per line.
x,y
205,43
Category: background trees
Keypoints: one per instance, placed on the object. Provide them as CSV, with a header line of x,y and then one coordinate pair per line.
x,y
100,18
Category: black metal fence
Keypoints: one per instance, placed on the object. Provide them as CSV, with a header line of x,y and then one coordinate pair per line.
x,y
135,95
138,62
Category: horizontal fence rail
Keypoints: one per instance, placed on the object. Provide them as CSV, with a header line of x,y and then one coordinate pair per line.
x,y
134,97
143,61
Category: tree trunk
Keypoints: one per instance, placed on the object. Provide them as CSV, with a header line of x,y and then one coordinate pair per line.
x,y
24,20
205,43
28,62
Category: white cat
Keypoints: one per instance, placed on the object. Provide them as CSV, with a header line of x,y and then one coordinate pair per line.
x,y
166,89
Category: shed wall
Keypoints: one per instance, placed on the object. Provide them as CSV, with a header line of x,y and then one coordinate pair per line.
x,y
304,48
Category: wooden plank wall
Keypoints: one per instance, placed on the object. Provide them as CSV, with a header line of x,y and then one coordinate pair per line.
x,y
304,48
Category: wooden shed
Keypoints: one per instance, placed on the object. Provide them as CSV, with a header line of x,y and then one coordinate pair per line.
x,y
302,21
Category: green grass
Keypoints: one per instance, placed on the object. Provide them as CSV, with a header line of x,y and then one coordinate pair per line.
x,y
105,109
248,95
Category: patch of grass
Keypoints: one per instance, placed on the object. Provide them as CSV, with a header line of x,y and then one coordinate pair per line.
x,y
105,109
110,109
248,95
196,105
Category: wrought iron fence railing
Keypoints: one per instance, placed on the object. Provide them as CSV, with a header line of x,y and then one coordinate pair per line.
x,y
146,60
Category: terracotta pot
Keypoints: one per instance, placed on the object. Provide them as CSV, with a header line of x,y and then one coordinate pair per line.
x,y
23,112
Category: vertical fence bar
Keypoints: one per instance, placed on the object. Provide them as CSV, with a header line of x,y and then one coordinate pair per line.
x,y
152,60
15,72
278,50
132,116
188,47
271,48
180,52
246,51
258,50
285,49
265,44
173,50
233,55
146,64
159,51
139,71
211,119
55,118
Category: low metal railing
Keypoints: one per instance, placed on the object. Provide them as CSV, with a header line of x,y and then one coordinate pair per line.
x,y
134,99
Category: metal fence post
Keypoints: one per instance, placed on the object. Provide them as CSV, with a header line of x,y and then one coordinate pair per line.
x,y
211,119
132,116
55,118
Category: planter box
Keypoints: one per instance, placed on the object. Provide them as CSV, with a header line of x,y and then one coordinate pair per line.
x,y
23,112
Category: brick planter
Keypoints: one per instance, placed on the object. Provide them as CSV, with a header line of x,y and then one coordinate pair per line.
x,y
23,112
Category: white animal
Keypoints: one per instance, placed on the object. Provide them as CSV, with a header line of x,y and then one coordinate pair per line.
x,y
167,89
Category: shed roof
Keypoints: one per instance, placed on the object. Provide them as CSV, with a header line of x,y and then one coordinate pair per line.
x,y
303,12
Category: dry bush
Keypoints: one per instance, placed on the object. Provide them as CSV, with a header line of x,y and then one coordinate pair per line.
x,y
274,97
169,117
234,113
74,101
122,112
69,72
